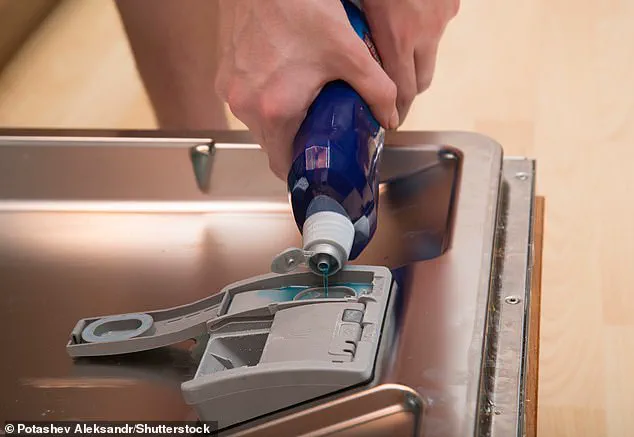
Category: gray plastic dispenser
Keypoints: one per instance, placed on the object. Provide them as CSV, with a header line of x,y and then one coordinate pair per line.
x,y
275,340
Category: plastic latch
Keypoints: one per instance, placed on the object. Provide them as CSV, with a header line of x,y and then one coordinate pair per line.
x,y
344,344
353,316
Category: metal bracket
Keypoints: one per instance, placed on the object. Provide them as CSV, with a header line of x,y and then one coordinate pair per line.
x,y
202,159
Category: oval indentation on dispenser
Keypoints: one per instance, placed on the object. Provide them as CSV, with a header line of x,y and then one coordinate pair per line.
x,y
117,328
334,292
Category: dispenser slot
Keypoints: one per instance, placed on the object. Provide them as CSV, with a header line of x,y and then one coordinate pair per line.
x,y
234,350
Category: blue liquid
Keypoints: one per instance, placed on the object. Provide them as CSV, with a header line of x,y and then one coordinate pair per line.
x,y
324,270
287,294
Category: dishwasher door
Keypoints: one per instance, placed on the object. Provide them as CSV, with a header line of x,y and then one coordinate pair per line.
x,y
108,222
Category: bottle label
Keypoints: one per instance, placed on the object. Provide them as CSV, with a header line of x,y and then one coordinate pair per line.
x,y
367,39
361,26
317,157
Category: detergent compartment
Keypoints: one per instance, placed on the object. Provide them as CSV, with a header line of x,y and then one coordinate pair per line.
x,y
274,341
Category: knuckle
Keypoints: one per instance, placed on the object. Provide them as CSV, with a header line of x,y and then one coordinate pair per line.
x,y
346,55
407,95
276,166
405,98
272,108
435,28
454,8
403,44
391,92
341,46
435,22
403,105
423,81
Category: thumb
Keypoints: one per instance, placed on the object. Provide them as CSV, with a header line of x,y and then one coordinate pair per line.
x,y
360,70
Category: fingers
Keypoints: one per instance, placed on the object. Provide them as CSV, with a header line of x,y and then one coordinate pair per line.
x,y
402,70
270,75
359,69
425,60
407,34
282,110
396,48
273,113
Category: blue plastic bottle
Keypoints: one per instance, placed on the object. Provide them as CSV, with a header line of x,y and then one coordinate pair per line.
x,y
333,182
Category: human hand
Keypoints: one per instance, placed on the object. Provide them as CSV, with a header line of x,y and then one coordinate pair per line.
x,y
276,55
406,34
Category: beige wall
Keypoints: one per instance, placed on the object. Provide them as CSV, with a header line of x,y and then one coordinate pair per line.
x,y
551,79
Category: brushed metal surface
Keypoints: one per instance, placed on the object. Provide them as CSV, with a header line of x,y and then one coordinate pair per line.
x,y
505,374
379,411
113,222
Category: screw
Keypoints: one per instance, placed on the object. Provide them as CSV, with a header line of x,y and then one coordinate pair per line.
x,y
290,261
512,300
202,148
447,154
521,176
497,411
412,402
201,157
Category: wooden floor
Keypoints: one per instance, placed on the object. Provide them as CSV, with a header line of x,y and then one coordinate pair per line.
x,y
549,79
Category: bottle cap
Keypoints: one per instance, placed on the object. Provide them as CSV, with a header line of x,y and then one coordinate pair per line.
x,y
327,238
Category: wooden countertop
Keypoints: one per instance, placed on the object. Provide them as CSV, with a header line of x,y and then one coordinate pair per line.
x,y
532,383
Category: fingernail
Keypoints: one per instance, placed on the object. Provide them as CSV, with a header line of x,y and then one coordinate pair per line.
x,y
394,120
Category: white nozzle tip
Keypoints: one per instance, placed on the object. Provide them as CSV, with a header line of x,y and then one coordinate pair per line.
x,y
331,231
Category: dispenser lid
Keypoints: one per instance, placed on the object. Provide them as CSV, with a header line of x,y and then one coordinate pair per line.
x,y
260,296
273,341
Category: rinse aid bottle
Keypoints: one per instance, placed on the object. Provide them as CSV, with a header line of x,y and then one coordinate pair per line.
x,y
334,179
